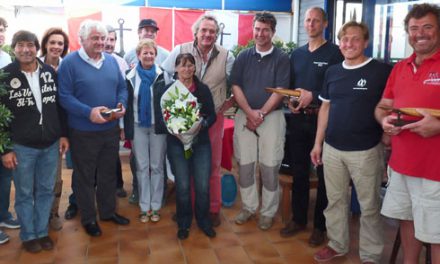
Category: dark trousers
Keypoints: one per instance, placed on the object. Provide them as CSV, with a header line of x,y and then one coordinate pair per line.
x,y
119,180
95,152
302,131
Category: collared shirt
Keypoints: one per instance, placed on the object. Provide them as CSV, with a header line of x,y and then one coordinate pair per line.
x,y
413,154
34,83
97,64
264,53
123,67
43,59
205,63
168,64
253,73
229,62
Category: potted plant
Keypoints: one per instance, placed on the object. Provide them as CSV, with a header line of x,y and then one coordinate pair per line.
x,y
5,117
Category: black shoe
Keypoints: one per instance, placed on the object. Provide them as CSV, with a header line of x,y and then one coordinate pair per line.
x,y
117,219
46,243
182,234
209,232
291,229
121,193
71,212
317,238
93,229
32,246
215,219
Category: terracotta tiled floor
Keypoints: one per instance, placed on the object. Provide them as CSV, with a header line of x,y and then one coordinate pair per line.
x,y
157,242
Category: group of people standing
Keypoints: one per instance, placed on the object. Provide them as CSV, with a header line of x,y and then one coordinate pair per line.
x,y
340,122
344,139
67,99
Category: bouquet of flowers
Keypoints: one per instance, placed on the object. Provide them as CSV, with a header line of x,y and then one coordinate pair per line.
x,y
181,113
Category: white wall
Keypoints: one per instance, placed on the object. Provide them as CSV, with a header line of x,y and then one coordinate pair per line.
x,y
303,6
34,19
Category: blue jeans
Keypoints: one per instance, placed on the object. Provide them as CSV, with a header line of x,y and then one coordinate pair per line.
x,y
5,192
34,180
199,167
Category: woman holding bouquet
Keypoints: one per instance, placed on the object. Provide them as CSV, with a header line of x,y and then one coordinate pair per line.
x,y
197,167
144,125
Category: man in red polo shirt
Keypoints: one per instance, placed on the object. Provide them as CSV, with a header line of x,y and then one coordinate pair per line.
x,y
413,195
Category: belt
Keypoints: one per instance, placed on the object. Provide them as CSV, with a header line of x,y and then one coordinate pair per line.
x,y
310,111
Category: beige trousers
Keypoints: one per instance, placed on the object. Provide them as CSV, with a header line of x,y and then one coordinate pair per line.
x,y
266,149
365,168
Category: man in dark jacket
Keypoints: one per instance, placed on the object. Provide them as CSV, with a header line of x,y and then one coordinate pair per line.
x,y
37,133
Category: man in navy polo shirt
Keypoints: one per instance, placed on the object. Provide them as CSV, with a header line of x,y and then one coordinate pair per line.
x,y
259,123
352,145
307,67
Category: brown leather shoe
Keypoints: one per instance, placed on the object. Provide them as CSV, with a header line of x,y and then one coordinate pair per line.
x,y
291,229
215,219
317,238
32,246
46,243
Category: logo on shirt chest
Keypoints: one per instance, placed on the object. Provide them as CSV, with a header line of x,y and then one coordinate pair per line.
x,y
361,85
433,79
15,83
320,63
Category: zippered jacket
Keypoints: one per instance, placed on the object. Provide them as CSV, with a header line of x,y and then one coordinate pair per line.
x,y
29,127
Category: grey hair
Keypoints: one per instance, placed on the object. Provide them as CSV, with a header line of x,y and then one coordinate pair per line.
x,y
88,25
196,26
111,29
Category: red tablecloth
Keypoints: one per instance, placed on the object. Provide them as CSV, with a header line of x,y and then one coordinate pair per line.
x,y
228,144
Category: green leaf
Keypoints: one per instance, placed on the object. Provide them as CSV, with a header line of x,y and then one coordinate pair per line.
x,y
5,117
188,153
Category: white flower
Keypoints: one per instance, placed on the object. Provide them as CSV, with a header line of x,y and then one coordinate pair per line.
x,y
181,113
176,124
179,103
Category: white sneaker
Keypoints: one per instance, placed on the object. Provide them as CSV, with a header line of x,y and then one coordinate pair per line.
x,y
143,217
265,222
155,216
243,217
10,223
3,237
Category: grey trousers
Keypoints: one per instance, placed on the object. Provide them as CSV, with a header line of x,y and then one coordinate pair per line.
x,y
149,151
